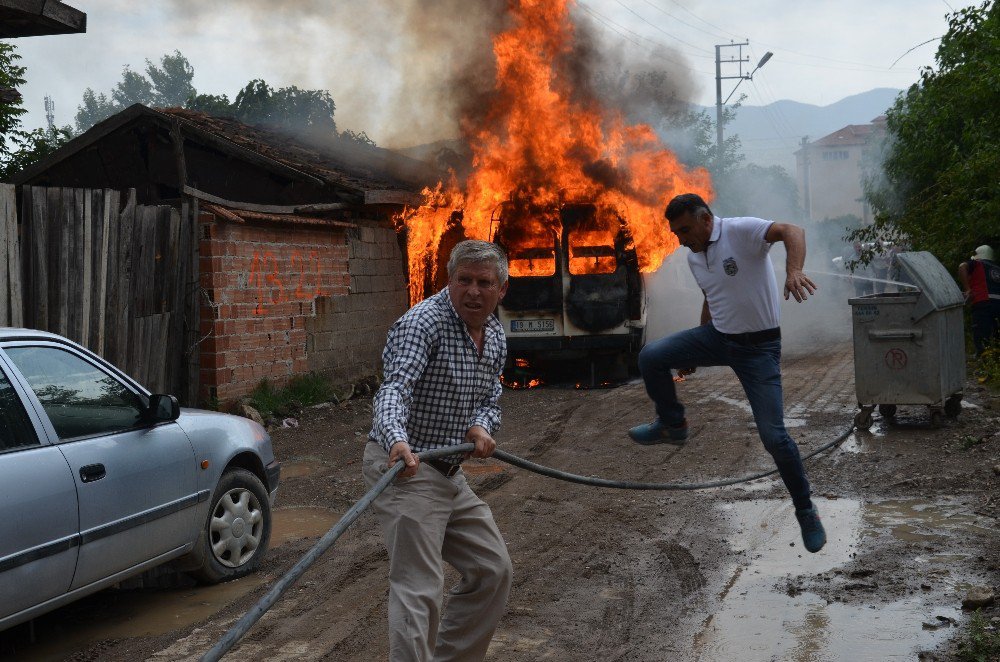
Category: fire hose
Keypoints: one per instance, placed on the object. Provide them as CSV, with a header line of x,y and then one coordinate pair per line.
x,y
255,613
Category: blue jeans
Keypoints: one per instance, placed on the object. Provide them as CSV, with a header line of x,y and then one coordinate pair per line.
x,y
758,367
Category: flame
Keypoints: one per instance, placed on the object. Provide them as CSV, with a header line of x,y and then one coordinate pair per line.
x,y
540,145
518,385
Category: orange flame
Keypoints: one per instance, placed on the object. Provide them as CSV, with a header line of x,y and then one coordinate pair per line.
x,y
542,144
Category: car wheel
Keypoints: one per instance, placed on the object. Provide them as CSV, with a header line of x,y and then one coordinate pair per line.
x,y
237,530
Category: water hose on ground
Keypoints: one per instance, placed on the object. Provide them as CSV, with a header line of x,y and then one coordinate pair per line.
x,y
242,626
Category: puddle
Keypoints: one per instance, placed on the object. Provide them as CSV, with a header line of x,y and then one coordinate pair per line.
x,y
757,620
152,612
296,523
916,521
131,613
300,468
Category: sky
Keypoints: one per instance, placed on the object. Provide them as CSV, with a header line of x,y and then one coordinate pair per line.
x,y
383,60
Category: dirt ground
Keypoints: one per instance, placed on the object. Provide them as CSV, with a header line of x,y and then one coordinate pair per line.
x,y
911,513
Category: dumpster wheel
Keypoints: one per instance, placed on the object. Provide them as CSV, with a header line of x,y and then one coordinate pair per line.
x,y
953,406
863,419
887,411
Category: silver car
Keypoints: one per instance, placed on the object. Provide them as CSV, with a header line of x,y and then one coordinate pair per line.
x,y
101,480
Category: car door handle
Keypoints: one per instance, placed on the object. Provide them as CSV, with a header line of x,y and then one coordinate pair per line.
x,y
92,472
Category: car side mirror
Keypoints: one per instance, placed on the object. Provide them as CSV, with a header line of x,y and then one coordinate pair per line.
x,y
163,408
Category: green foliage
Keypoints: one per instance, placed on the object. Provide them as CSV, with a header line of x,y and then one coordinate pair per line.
x,y
213,104
981,642
166,85
290,107
361,137
93,109
171,81
302,391
33,146
169,84
19,148
987,366
940,186
11,76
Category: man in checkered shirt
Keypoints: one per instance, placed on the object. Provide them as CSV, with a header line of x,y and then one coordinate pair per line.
x,y
442,364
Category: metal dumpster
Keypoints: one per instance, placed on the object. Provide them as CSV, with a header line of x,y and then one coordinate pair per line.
x,y
909,346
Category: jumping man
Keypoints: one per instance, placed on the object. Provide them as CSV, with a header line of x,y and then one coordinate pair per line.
x,y
740,329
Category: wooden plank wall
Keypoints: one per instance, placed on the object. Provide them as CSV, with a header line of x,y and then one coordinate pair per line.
x,y
110,276
10,259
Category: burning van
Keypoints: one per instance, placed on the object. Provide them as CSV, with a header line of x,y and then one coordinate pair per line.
x,y
575,292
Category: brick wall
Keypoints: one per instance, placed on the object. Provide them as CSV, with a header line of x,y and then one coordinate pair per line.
x,y
283,300
261,283
346,337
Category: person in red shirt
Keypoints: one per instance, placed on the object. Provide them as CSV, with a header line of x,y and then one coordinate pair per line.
x,y
980,278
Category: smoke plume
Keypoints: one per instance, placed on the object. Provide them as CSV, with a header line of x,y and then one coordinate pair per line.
x,y
408,71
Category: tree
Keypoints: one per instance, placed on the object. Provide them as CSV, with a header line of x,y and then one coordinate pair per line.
x,y
213,104
19,148
93,109
166,85
170,84
11,76
171,81
32,146
939,185
288,107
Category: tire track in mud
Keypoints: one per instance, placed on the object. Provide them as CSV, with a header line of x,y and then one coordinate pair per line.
x,y
553,431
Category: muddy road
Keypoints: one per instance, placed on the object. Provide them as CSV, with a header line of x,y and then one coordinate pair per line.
x,y
911,515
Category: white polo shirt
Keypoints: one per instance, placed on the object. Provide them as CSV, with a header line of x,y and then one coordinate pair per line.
x,y
736,275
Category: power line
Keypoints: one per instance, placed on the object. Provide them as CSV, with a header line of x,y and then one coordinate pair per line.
x,y
683,22
775,47
617,28
727,32
644,20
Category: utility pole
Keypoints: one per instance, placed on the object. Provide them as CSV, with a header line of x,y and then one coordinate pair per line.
x,y
50,113
739,60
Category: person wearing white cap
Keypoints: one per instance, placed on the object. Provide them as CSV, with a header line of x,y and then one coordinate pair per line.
x,y
980,279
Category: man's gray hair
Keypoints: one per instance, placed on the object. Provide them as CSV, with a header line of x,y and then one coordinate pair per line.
x,y
474,251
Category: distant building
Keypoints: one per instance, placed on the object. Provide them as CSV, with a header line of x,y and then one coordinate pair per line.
x,y
829,171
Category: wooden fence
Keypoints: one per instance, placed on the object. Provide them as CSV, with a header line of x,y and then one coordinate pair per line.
x,y
11,308
114,278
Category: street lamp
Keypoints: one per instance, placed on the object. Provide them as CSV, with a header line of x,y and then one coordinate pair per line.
x,y
719,103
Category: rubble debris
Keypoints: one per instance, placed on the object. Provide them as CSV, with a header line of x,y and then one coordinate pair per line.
x,y
978,597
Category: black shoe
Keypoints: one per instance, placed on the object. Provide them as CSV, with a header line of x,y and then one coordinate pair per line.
x,y
813,535
656,432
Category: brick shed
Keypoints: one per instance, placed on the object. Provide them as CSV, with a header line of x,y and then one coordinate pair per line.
x,y
294,266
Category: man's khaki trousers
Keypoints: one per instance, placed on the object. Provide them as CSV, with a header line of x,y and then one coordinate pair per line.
x,y
426,519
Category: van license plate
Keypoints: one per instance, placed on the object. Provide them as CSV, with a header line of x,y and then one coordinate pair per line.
x,y
532,326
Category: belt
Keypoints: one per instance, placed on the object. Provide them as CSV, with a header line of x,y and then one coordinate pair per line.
x,y
755,337
447,469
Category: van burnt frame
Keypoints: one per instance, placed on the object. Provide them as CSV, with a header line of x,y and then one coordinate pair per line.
x,y
595,306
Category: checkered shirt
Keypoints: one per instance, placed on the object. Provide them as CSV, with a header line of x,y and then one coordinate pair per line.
x,y
437,386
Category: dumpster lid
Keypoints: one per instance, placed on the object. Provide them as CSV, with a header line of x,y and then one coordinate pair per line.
x,y
937,288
